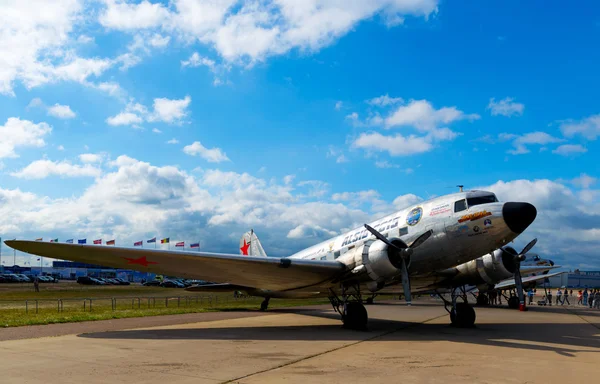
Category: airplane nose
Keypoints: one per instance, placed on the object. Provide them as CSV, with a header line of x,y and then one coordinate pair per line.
x,y
518,216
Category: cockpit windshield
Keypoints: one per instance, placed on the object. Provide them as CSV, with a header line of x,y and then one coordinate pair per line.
x,y
485,199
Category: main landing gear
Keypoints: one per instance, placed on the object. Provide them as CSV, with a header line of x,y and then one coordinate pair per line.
x,y
350,307
462,314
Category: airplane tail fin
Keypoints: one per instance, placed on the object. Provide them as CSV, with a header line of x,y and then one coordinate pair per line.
x,y
250,245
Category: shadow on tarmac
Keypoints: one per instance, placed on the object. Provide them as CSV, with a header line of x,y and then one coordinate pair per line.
x,y
561,338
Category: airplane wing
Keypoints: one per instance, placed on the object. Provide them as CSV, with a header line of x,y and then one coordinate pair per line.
x,y
271,273
510,283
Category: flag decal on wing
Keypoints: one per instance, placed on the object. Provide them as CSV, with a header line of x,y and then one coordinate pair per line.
x,y
140,261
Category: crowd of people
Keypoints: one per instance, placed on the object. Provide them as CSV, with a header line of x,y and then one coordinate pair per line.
x,y
586,297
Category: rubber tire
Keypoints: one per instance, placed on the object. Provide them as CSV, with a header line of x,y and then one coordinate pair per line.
x,y
356,316
369,301
264,305
463,316
483,301
513,302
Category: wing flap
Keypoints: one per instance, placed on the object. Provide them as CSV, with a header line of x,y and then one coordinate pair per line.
x,y
510,283
270,273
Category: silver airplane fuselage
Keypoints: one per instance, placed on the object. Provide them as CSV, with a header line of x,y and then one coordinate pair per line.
x,y
464,226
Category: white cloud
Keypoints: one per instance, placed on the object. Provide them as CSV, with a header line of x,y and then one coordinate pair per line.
x,y
385,100
316,188
570,150
196,60
124,118
304,231
17,133
32,42
36,102
91,157
159,41
588,127
360,196
584,181
213,155
287,179
250,32
505,107
396,145
41,169
61,111
170,110
127,16
385,164
520,142
173,141
405,201
84,39
338,154
338,105
421,115
60,148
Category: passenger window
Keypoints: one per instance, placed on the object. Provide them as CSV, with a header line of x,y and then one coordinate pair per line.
x,y
336,254
460,205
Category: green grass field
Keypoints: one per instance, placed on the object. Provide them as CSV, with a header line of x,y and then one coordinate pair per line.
x,y
70,302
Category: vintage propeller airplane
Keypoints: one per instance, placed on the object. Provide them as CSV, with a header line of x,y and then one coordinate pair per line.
x,y
411,247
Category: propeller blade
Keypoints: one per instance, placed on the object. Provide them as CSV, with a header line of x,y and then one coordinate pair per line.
x,y
421,239
406,283
519,286
379,236
528,246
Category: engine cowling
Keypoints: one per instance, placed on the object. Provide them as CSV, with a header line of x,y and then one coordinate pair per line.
x,y
375,260
487,270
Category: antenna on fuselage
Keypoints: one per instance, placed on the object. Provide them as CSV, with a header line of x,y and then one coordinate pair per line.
x,y
460,188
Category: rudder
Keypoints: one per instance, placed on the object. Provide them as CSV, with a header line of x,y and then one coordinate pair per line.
x,y
251,246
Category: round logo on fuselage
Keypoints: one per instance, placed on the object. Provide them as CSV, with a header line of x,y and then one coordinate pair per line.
x,y
414,216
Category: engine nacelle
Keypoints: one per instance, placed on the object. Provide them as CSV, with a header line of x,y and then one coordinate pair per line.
x,y
487,270
376,260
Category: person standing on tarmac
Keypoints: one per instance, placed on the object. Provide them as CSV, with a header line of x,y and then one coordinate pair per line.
x,y
530,296
585,296
550,298
36,284
558,296
579,297
566,298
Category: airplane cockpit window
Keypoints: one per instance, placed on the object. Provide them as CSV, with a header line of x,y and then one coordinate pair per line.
x,y
460,205
486,199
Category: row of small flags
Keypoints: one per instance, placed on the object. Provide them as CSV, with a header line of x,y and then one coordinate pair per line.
x,y
140,243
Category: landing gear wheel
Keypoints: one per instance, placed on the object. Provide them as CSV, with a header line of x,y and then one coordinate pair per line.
x,y
513,302
463,316
265,304
369,300
356,316
482,301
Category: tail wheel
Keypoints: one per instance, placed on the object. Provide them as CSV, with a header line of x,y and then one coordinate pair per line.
x,y
356,316
462,315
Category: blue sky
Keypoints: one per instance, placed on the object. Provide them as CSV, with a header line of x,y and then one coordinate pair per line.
x,y
133,119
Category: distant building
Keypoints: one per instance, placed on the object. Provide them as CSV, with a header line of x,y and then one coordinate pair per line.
x,y
576,279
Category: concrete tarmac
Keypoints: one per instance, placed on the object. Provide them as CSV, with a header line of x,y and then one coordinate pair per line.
x,y
299,345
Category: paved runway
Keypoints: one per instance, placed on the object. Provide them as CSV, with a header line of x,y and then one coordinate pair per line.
x,y
300,345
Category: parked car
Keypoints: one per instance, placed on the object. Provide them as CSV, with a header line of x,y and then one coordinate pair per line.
x,y
87,280
152,283
122,281
11,278
171,284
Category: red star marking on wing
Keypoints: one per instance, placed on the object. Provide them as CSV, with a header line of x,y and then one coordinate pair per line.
x,y
140,261
244,248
